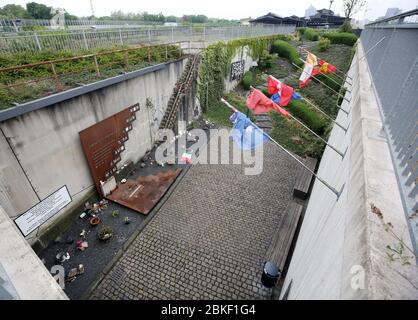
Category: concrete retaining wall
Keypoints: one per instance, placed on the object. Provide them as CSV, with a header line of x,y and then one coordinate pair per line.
x,y
341,251
40,151
23,275
243,53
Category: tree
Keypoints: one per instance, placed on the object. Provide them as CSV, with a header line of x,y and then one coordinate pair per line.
x,y
351,7
12,11
171,19
38,10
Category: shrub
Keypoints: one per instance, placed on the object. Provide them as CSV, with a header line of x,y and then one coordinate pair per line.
x,y
247,80
309,117
301,31
323,44
346,27
265,61
348,39
311,34
286,50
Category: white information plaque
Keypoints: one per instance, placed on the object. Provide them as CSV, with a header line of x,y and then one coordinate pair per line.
x,y
43,211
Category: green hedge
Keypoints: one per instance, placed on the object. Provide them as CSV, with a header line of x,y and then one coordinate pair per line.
x,y
346,38
311,34
323,44
309,117
301,30
286,50
247,80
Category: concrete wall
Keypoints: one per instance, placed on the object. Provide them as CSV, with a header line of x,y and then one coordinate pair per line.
x,y
25,275
341,243
40,151
243,53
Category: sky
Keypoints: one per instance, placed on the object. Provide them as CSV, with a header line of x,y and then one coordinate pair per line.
x,y
229,9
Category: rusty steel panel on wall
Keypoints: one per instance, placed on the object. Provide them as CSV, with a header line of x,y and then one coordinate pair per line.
x,y
103,143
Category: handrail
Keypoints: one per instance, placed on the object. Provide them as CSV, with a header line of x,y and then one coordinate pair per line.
x,y
402,15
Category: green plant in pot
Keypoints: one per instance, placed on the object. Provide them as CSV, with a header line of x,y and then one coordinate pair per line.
x,y
105,233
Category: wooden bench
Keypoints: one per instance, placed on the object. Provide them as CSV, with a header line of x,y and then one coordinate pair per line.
x,y
304,179
282,239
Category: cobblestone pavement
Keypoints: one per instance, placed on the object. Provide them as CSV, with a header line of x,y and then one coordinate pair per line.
x,y
209,240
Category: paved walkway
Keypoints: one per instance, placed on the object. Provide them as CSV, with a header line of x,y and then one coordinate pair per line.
x,y
209,240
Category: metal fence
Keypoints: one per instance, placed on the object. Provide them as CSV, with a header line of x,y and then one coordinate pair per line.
x,y
95,39
393,64
22,83
17,25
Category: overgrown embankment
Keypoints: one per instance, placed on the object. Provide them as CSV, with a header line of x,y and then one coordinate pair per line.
x,y
279,63
67,70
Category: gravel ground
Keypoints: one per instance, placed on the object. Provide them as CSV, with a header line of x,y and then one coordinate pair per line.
x,y
99,254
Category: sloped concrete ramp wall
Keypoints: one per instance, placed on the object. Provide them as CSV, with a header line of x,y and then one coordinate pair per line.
x,y
341,251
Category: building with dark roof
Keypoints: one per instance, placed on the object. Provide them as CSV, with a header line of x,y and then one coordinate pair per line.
x,y
323,18
269,18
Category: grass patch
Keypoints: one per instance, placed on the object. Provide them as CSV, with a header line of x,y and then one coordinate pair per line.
x,y
219,114
71,73
286,50
294,137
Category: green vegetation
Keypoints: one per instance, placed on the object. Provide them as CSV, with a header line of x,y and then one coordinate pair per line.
x,y
265,61
311,34
34,10
323,44
247,80
348,39
286,50
218,113
31,83
311,118
346,27
286,131
294,137
216,61
301,31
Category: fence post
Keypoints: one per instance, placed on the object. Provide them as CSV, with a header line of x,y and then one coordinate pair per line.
x,y
37,41
55,76
149,54
85,40
96,65
149,35
166,52
120,37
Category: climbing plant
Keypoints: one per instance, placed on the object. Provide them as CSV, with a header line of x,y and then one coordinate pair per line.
x,y
215,64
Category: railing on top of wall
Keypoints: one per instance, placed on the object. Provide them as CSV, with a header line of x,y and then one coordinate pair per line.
x,y
73,41
393,65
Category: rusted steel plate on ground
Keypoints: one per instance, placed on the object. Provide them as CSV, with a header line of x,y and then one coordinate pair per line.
x,y
145,192
104,141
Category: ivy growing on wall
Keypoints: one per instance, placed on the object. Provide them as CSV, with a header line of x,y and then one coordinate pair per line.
x,y
216,60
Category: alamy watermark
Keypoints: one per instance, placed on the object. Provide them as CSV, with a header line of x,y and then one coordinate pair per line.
x,y
214,146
